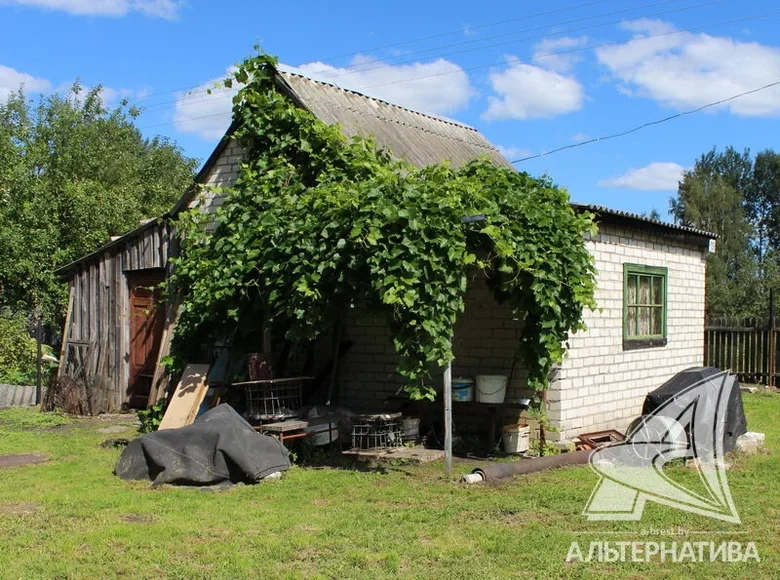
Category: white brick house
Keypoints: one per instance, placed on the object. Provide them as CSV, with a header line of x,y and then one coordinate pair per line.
x,y
634,342
603,380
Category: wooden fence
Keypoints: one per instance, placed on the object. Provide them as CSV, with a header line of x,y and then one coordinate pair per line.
x,y
747,347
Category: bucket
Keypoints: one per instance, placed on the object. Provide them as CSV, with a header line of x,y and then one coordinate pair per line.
x,y
516,439
463,390
491,388
324,434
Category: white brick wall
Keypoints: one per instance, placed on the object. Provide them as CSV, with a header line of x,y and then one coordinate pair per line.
x,y
486,341
600,385
223,174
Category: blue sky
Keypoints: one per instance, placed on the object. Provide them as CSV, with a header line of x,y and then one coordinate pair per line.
x,y
531,76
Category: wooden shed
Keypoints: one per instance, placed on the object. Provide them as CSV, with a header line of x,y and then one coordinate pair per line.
x,y
114,322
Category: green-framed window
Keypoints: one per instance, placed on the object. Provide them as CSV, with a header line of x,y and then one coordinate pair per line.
x,y
644,306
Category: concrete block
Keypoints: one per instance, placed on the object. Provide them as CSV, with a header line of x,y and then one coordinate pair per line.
x,y
750,443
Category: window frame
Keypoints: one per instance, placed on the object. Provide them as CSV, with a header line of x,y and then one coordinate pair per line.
x,y
645,341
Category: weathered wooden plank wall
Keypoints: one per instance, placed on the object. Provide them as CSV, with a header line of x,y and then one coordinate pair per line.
x,y
98,328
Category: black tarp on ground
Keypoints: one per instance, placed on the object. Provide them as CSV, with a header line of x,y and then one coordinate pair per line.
x,y
736,423
219,447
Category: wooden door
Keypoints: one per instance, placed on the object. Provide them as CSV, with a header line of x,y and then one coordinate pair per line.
x,y
147,321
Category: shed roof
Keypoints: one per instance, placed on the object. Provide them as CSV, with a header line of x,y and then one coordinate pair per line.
x,y
639,222
418,138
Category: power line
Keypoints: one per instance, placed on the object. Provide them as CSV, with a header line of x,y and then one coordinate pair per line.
x,y
460,30
209,98
373,66
633,40
353,70
421,39
649,123
677,31
184,119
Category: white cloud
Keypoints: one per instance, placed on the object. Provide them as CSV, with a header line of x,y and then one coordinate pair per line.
x,y
687,70
512,153
469,31
11,80
526,91
551,53
207,115
439,87
580,137
168,9
657,176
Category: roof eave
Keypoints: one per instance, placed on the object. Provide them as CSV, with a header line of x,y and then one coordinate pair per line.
x,y
683,234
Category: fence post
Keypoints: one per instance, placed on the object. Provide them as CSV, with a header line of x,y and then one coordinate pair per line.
x,y
772,343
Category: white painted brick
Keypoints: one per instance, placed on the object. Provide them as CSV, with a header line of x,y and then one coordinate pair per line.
x,y
624,377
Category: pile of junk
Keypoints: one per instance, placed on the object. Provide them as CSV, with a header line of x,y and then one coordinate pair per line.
x,y
695,415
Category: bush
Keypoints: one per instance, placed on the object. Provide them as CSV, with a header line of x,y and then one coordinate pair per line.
x,y
152,417
18,351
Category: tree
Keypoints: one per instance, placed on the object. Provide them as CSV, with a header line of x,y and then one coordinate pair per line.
x,y
737,197
763,200
710,201
72,174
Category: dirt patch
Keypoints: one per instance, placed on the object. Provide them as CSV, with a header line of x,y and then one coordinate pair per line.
x,y
137,519
18,509
22,459
113,429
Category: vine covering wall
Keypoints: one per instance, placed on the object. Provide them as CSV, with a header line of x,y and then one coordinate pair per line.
x,y
316,224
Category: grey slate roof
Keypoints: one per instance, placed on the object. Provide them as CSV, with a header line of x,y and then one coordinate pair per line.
x,y
640,222
415,137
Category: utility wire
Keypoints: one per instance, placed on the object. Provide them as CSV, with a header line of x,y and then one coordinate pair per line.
x,y
460,31
630,41
373,65
208,98
552,25
421,39
649,123
617,42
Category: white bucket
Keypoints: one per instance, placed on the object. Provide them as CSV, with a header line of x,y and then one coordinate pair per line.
x,y
516,439
322,434
491,388
462,390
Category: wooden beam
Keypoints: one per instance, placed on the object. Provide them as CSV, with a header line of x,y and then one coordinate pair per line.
x,y
66,331
188,397
160,372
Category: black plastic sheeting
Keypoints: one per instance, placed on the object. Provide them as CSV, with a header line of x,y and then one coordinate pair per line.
x,y
736,423
219,448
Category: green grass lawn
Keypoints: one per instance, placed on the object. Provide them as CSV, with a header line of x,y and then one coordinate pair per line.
x,y
72,518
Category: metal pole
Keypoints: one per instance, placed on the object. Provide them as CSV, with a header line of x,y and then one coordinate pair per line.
x,y
448,419
39,382
772,338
